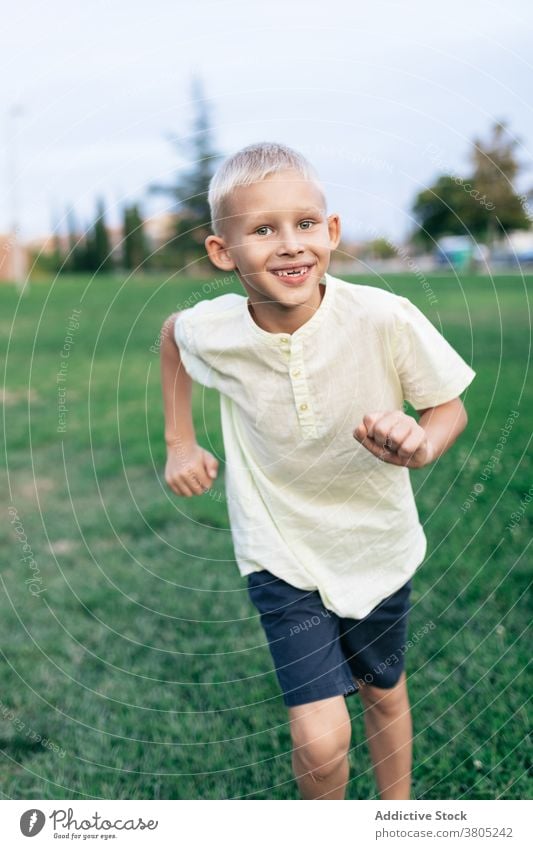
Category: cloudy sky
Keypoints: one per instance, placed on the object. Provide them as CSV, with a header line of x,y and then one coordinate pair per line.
x,y
380,95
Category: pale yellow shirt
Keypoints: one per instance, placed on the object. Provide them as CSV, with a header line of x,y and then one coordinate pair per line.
x,y
305,500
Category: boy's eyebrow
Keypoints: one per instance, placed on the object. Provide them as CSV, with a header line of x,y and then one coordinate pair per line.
x,y
307,210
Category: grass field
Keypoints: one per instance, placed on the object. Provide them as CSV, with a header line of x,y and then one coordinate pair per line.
x,y
133,664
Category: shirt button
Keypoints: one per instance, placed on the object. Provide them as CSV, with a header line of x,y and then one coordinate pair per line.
x,y
284,340
303,406
295,372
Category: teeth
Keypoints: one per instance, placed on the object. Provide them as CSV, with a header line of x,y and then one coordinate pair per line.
x,y
296,273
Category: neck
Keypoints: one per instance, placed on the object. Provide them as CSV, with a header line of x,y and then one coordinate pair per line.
x,y
276,318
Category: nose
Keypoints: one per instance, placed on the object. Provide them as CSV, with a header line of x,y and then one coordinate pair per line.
x,y
289,243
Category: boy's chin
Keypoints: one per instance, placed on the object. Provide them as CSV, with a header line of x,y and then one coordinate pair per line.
x,y
304,287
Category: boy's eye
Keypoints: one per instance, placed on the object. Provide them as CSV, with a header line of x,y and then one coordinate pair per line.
x,y
265,228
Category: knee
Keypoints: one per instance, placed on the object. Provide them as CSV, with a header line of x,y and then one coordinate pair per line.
x,y
321,755
387,701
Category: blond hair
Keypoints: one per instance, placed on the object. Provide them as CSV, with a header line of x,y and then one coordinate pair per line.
x,y
250,165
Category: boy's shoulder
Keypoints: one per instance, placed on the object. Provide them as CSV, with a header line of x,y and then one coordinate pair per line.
x,y
370,301
208,308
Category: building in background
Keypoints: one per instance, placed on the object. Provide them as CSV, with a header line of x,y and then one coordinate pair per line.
x,y
14,259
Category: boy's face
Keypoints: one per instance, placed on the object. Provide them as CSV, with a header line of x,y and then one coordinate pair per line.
x,y
274,226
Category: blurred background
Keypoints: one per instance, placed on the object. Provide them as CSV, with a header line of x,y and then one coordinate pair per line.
x,y
132,663
417,116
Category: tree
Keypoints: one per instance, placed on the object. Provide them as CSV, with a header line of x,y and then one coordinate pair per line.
x,y
76,257
381,248
496,166
97,243
134,242
484,204
189,194
443,209
56,252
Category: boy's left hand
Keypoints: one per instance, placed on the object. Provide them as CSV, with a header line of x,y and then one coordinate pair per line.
x,y
395,438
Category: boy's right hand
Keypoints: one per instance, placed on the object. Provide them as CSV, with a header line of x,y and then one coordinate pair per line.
x,y
190,469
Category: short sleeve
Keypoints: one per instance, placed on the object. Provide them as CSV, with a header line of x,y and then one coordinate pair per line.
x,y
430,370
194,365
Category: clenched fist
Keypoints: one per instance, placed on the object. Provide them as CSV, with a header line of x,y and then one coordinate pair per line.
x,y
190,469
395,438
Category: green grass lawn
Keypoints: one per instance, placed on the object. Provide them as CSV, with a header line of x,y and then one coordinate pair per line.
x,y
133,664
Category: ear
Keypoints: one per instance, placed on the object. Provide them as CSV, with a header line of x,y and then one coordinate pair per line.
x,y
218,253
334,230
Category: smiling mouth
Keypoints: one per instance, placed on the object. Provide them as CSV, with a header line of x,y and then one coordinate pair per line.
x,y
300,271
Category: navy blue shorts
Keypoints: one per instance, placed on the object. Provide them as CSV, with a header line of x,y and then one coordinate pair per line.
x,y
316,653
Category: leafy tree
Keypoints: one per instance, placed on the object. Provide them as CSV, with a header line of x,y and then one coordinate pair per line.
x,y
484,204
496,167
91,252
443,209
381,248
97,244
76,259
134,242
189,194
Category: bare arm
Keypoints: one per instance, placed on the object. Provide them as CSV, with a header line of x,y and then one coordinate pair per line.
x,y
177,389
190,469
398,439
443,424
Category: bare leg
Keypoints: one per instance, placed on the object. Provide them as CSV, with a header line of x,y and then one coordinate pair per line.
x,y
389,733
321,733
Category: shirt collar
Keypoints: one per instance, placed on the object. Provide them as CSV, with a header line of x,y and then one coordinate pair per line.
x,y
307,328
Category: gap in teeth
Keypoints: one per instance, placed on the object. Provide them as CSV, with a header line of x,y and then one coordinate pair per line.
x,y
297,273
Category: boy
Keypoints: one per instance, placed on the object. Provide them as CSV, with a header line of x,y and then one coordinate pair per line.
x,y
313,373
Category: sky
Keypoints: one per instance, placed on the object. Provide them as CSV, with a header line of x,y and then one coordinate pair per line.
x,y
381,97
